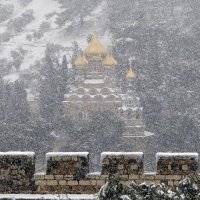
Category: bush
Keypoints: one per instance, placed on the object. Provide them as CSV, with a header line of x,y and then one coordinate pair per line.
x,y
6,11
114,189
18,24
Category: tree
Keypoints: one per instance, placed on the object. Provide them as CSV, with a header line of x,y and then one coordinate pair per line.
x,y
20,104
63,76
47,91
115,189
103,131
52,89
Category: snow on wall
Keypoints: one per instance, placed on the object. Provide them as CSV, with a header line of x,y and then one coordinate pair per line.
x,y
169,154
94,81
18,153
49,196
104,154
57,154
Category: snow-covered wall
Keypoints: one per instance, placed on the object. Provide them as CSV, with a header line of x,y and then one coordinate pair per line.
x,y
177,163
16,172
124,163
75,164
68,172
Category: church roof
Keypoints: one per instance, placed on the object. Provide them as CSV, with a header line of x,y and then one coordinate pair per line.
x,y
109,60
130,74
95,47
81,62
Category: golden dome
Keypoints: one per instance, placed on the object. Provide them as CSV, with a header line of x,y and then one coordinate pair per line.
x,y
109,60
81,62
95,48
130,74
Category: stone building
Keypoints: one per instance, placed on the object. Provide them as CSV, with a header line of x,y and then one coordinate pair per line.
x,y
95,89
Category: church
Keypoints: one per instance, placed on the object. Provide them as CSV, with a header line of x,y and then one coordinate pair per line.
x,y
95,89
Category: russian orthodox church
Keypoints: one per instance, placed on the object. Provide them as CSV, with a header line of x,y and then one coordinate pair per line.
x,y
95,89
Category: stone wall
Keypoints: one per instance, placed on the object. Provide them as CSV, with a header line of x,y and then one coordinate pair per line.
x,y
68,172
122,163
16,172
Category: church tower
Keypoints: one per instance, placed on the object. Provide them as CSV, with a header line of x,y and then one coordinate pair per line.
x,y
131,111
95,89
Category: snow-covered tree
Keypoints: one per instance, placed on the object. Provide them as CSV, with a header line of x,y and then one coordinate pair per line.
x,y
114,189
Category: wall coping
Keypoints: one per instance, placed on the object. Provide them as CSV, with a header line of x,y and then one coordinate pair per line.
x,y
55,154
169,154
109,153
18,153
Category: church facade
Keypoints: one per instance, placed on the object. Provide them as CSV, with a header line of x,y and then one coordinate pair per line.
x,y
95,89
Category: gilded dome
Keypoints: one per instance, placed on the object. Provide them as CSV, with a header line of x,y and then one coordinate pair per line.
x,y
95,47
81,62
109,60
130,74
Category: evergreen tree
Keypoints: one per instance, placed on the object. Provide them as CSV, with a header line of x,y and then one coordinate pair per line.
x,y
52,89
2,100
47,90
62,71
20,104
9,116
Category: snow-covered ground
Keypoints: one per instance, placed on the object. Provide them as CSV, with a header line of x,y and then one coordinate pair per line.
x,y
49,196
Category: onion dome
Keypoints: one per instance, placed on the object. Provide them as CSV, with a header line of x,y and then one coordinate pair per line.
x,y
109,61
81,62
130,74
95,49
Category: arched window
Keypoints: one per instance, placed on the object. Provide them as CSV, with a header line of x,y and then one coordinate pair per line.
x,y
80,115
80,91
129,115
130,102
137,115
105,91
92,91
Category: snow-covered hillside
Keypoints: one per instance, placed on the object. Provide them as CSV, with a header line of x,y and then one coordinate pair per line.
x,y
42,28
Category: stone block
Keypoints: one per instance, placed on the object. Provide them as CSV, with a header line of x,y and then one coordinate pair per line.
x,y
170,183
62,182
40,182
84,182
133,177
100,182
93,182
160,177
184,167
58,177
173,177
51,177
52,182
68,177
73,182
149,177
39,176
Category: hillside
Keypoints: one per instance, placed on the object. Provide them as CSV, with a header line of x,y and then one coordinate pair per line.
x,y
31,24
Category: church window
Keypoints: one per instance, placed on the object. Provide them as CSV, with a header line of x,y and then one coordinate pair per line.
x,y
129,102
80,116
105,91
129,115
80,91
92,91
137,115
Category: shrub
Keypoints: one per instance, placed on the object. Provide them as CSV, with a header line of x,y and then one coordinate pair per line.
x,y
115,189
